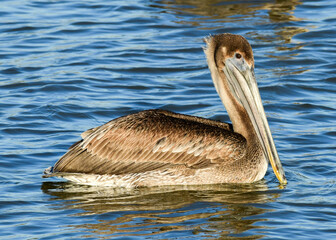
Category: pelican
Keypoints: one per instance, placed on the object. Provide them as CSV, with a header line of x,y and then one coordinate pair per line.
x,y
158,147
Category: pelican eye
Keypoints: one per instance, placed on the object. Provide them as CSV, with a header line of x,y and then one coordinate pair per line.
x,y
238,55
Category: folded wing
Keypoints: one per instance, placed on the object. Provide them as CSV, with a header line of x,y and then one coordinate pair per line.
x,y
152,140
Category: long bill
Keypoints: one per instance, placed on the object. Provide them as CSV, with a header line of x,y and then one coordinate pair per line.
x,y
243,85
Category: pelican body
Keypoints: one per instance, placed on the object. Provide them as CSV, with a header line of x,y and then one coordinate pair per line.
x,y
157,147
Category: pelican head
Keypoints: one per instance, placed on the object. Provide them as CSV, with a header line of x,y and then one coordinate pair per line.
x,y
231,63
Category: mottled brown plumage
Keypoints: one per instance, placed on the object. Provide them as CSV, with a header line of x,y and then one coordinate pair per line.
x,y
145,142
157,147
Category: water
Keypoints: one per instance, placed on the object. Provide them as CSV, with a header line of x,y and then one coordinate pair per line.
x,y
67,66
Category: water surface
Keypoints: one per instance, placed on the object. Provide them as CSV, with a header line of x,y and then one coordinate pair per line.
x,y
67,66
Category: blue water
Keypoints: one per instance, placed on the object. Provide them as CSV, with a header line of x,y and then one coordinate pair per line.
x,y
67,66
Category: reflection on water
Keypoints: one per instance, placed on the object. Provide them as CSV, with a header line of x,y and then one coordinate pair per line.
x,y
214,210
228,11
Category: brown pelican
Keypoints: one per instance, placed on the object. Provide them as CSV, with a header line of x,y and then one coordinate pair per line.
x,y
157,147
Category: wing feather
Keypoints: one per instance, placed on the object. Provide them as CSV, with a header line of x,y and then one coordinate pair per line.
x,y
152,140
